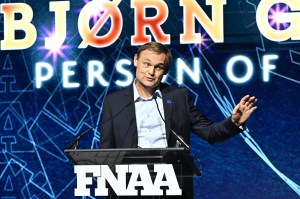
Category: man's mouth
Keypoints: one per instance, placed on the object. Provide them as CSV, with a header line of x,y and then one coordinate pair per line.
x,y
150,79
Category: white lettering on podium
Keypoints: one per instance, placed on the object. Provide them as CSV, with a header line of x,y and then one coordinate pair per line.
x,y
140,177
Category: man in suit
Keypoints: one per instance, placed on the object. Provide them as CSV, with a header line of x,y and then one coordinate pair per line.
x,y
144,114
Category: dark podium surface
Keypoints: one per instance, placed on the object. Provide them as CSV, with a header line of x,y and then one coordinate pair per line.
x,y
178,157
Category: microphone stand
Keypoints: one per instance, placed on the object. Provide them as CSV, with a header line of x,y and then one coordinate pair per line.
x,y
75,141
179,138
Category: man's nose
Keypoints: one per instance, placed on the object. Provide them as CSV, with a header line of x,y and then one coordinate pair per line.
x,y
151,70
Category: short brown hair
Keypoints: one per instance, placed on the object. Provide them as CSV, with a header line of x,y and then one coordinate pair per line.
x,y
158,48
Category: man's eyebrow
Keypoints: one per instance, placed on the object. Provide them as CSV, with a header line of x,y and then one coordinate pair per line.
x,y
160,65
149,60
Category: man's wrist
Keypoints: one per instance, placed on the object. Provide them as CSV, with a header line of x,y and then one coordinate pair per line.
x,y
241,126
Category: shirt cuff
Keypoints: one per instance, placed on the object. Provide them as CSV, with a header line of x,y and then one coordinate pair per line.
x,y
241,126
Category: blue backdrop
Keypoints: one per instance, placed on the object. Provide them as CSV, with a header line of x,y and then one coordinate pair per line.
x,y
36,124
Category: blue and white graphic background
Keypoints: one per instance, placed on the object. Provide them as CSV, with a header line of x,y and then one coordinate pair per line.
x,y
36,125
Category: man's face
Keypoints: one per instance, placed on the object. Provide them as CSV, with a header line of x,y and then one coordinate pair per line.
x,y
150,68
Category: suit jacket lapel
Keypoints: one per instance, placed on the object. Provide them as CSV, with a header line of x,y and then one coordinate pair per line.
x,y
167,102
130,141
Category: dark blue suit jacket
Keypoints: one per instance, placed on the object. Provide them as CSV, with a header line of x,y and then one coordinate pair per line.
x,y
119,129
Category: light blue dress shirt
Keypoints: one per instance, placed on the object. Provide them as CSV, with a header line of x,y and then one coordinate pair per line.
x,y
150,126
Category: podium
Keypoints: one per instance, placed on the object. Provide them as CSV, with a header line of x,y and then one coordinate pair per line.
x,y
179,157
178,161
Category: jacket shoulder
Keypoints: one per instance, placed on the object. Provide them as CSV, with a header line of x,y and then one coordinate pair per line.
x,y
123,92
173,89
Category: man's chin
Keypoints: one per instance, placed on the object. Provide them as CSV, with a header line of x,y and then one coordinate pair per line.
x,y
150,85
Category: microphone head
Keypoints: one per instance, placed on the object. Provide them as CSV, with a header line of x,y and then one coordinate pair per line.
x,y
155,95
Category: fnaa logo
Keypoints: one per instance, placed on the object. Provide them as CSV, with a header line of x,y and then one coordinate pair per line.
x,y
140,178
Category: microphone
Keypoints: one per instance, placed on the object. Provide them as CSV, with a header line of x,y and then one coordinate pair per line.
x,y
76,140
179,138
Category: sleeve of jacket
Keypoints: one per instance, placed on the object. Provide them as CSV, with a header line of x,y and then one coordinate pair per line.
x,y
208,130
107,139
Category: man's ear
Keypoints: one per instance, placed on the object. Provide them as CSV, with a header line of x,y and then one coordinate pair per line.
x,y
135,59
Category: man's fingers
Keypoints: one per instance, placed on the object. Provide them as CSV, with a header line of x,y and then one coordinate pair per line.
x,y
246,104
235,109
244,99
247,100
253,109
252,99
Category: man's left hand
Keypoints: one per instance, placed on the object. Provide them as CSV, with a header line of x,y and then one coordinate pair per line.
x,y
243,110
